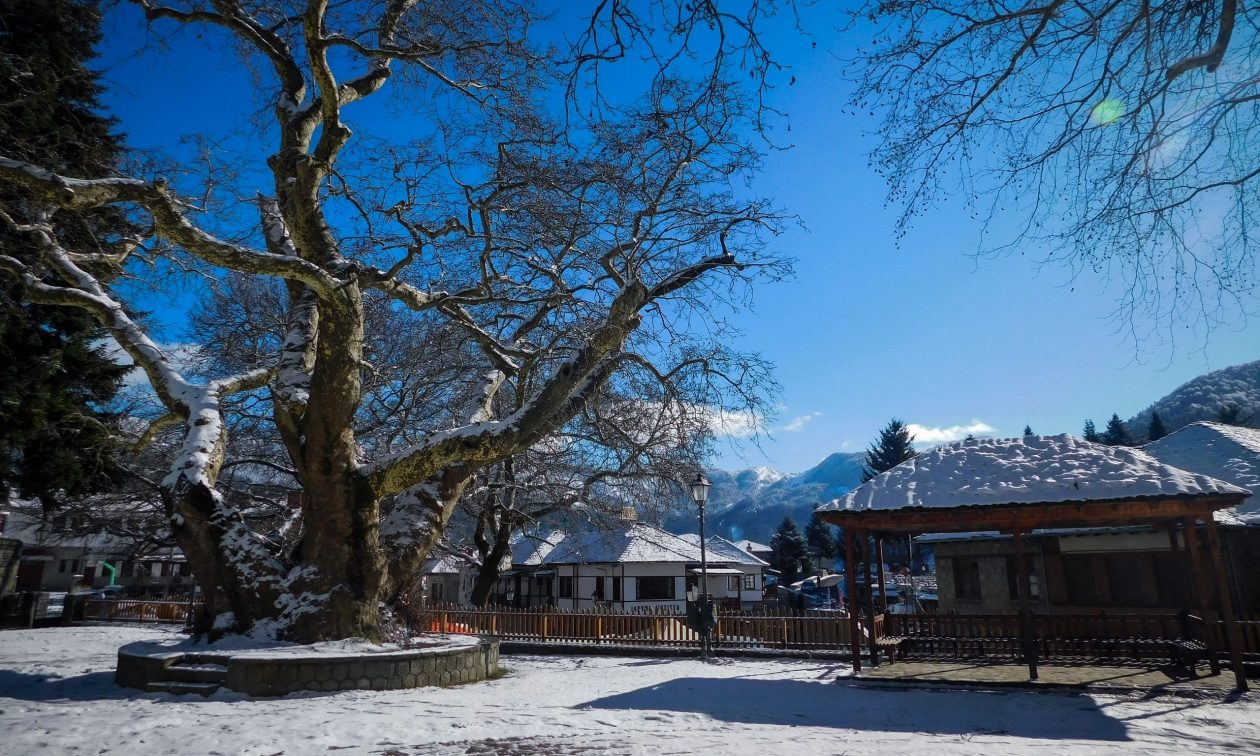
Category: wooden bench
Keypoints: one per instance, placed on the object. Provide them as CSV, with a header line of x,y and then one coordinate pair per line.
x,y
890,645
1186,653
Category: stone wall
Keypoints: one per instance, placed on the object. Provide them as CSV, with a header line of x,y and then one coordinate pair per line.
x,y
441,667
278,675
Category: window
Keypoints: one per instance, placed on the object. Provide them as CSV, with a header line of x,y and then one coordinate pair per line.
x,y
63,566
750,582
599,588
966,578
616,583
1078,572
566,587
185,569
732,584
655,588
1012,578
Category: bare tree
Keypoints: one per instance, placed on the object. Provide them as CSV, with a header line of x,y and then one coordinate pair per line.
x,y
563,251
1120,138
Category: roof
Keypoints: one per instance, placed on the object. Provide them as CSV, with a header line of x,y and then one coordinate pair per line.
x,y
722,550
530,550
752,546
1027,470
443,565
1225,452
638,542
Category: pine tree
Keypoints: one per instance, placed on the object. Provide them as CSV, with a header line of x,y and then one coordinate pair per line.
x,y
790,553
1028,430
821,542
53,380
894,446
1115,433
1091,433
1156,430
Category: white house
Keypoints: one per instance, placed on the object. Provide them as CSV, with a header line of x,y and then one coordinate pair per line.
x,y
637,566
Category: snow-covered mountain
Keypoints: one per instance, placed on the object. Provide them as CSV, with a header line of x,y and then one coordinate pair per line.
x,y
751,503
1203,397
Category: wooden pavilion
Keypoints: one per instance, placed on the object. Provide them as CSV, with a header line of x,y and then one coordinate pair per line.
x,y
1036,482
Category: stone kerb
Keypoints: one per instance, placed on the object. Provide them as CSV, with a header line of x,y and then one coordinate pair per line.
x,y
281,673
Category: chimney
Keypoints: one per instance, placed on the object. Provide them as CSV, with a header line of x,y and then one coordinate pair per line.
x,y
628,514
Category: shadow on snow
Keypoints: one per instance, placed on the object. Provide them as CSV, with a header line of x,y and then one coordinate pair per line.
x,y
812,704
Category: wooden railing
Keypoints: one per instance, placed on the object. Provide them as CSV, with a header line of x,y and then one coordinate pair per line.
x,y
126,610
641,628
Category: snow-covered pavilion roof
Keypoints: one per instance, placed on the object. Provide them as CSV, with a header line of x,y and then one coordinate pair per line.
x,y
1225,452
1027,470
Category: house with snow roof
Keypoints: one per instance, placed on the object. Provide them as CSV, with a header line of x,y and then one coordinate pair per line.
x,y
1116,568
1045,485
632,566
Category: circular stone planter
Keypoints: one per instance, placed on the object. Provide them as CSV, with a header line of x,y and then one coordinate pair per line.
x,y
275,671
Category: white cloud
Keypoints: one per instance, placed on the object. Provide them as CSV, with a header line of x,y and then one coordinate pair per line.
x,y
938,435
799,422
734,423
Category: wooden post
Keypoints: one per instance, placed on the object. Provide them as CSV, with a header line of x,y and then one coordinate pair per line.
x,y
870,603
1179,562
879,555
1205,593
1025,610
1233,634
850,586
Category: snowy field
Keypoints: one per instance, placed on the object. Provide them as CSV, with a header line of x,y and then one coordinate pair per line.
x,y
57,696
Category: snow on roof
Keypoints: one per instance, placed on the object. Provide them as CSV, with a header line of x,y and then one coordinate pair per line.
x,y
722,550
530,549
1225,452
634,542
752,546
1027,470
640,542
442,565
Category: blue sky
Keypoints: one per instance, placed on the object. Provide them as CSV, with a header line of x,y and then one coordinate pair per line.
x,y
869,329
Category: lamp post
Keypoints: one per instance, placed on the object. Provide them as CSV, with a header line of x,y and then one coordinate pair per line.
x,y
700,494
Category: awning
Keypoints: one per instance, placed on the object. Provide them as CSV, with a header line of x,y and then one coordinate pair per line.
x,y
719,571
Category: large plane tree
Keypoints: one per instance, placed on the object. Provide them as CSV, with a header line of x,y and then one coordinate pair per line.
x,y
541,229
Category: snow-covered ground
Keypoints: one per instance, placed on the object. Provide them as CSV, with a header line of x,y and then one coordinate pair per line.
x,y
57,696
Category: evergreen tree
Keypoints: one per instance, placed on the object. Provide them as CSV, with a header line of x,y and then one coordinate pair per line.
x,y
1028,430
53,436
1115,433
1091,433
821,542
1156,430
790,552
894,446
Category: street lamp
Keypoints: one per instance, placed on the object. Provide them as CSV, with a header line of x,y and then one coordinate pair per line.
x,y
700,494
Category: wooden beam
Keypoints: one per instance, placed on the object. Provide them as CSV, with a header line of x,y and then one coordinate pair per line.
x,y
870,602
879,563
1025,612
1027,517
850,586
1233,634
1204,591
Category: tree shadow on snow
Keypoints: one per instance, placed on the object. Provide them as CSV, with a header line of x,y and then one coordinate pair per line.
x,y
93,686
810,704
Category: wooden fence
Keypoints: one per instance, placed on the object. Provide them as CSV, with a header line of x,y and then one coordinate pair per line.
x,y
126,610
645,628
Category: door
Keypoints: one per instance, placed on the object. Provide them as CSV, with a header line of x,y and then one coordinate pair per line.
x,y
30,576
